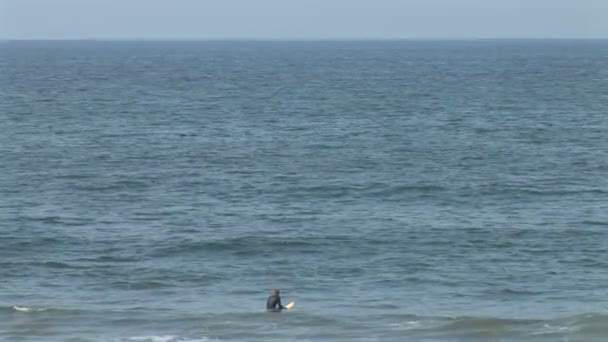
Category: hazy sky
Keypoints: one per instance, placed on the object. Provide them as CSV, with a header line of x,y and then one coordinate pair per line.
x,y
302,19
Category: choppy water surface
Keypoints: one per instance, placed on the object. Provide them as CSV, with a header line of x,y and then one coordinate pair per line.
x,y
398,191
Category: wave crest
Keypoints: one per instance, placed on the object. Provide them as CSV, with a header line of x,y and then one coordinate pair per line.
x,y
28,308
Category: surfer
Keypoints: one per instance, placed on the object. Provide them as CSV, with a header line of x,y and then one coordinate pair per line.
x,y
274,301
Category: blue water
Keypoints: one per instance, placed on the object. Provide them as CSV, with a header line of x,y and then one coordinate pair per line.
x,y
397,191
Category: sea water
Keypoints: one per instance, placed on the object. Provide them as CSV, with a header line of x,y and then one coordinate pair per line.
x,y
396,190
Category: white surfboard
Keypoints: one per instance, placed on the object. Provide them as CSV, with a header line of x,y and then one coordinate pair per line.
x,y
290,305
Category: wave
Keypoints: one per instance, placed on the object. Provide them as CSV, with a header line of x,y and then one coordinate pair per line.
x,y
562,192
112,259
141,285
535,191
42,309
484,323
548,329
28,309
59,311
58,220
164,338
595,223
252,245
591,325
111,186
406,189
584,327
245,245
373,190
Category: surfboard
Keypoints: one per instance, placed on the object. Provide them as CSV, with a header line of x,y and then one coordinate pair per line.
x,y
290,305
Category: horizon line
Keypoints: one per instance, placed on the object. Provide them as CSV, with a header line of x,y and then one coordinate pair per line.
x,y
307,39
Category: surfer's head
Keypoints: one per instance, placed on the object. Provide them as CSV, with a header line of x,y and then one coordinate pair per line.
x,y
276,292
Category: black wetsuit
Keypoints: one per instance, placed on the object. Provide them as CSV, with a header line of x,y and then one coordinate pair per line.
x,y
274,303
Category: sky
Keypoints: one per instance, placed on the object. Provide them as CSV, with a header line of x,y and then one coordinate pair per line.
x,y
302,19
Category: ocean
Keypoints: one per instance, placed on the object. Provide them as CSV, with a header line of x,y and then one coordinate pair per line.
x,y
396,190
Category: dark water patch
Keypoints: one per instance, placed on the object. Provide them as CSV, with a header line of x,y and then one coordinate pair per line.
x,y
198,278
323,191
509,292
563,192
122,135
36,242
135,285
400,190
76,176
525,191
154,215
248,245
58,220
110,259
583,261
595,223
116,259
112,186
56,265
